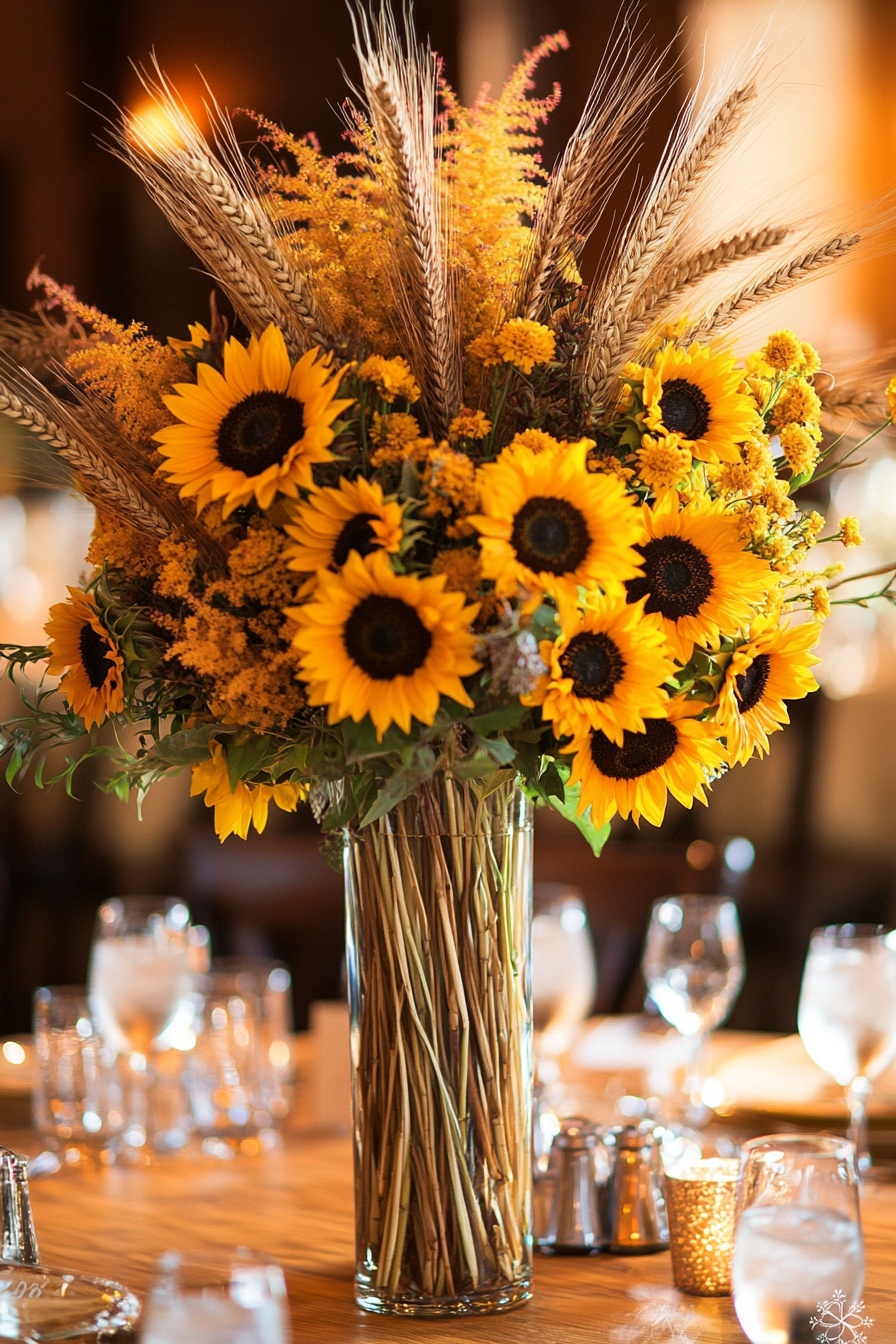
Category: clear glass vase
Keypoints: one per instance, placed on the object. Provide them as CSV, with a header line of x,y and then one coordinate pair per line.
x,y
439,902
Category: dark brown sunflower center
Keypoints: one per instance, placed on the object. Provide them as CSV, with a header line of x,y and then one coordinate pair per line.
x,y
684,408
594,663
357,535
386,638
640,752
259,431
93,656
550,535
752,683
677,580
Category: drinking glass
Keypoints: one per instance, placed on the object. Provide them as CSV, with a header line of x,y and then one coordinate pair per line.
x,y
693,964
140,986
77,1106
564,972
233,1298
847,1014
798,1238
564,983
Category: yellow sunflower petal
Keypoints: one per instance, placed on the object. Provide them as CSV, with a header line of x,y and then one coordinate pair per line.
x,y
383,644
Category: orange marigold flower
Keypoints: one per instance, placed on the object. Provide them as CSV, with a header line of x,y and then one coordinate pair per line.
x,y
391,377
524,343
537,440
470,425
799,447
485,350
663,463
783,351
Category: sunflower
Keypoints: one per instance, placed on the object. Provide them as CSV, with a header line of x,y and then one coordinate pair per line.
x,y
82,649
255,430
605,671
384,644
773,666
352,516
246,804
694,394
549,524
676,755
697,576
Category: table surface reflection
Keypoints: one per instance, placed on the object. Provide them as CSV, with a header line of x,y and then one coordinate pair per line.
x,y
296,1205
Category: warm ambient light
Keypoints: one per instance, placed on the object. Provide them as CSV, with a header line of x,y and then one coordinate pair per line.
x,y
152,128
13,1053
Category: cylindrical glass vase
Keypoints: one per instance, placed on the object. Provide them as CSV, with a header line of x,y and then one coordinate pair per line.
x,y
439,908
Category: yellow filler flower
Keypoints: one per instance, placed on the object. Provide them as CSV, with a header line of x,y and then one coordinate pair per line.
x,y
697,576
773,666
86,656
254,431
694,394
676,755
384,644
550,524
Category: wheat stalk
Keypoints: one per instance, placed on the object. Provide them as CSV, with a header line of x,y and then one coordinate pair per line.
x,y
201,195
625,87
95,452
668,288
858,393
682,172
31,342
791,273
400,91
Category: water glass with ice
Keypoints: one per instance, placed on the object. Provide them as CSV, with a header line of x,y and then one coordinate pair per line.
x,y
231,1298
140,983
798,1237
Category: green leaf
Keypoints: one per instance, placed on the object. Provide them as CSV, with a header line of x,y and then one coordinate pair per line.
x,y
401,785
566,806
189,747
497,720
492,782
552,782
245,759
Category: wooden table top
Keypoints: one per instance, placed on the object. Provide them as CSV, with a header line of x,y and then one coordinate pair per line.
x,y
296,1205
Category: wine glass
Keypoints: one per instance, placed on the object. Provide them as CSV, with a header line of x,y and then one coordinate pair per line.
x,y
235,1298
798,1238
140,987
693,964
847,1014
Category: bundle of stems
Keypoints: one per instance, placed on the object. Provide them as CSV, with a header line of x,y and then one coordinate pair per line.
x,y
439,905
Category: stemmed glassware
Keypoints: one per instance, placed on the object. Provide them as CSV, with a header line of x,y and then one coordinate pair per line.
x,y
140,986
693,964
847,1014
798,1239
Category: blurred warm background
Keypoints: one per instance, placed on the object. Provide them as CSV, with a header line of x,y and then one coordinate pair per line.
x,y
818,813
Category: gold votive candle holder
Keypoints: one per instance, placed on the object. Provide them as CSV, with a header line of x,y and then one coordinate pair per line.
x,y
700,1207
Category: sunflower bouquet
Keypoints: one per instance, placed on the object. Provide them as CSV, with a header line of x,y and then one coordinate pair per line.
x,y
444,506
427,518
